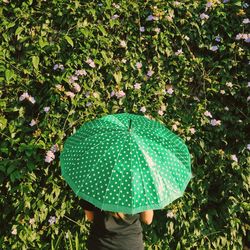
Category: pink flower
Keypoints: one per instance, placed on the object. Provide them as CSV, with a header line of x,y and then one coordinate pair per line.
x,y
179,52
49,156
123,44
170,91
151,18
112,93
46,109
234,158
207,113
192,130
204,16
120,94
81,72
77,87
54,148
138,65
33,122
70,94
91,63
150,73
143,109
160,112
137,86
215,122
115,16
142,29
24,96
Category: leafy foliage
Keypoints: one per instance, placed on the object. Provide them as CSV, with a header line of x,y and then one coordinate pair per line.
x,y
191,74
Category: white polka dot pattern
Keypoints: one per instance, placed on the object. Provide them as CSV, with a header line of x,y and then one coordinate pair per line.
x,y
124,169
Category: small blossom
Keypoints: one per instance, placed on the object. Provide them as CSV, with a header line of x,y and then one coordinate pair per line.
x,y
112,93
222,92
170,91
215,122
246,20
49,156
170,214
196,98
209,4
88,104
226,1
120,94
70,94
123,44
204,16
214,48
54,148
150,18
61,67
33,122
59,86
91,63
160,112
32,221
248,84
150,73
248,146
73,78
248,98
115,16
80,72
142,29
217,39
46,109
229,84
176,3
67,235
52,220
226,108
174,127
138,65
143,109
77,87
55,67
87,94
31,99
178,52
137,86
117,6
234,158
14,231
24,96
96,94
207,113
157,30
192,130
124,60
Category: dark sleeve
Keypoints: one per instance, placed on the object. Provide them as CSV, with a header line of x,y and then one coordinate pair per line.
x,y
86,205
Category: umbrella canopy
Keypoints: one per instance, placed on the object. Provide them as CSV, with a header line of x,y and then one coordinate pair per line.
x,y
126,163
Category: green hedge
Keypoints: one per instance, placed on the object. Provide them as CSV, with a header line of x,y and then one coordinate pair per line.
x,y
185,64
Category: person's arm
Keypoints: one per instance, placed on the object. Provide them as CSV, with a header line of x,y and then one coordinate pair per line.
x,y
90,215
147,216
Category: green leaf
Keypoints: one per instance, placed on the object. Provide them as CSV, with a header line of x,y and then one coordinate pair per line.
x,y
118,76
102,29
18,30
69,40
3,123
9,74
35,61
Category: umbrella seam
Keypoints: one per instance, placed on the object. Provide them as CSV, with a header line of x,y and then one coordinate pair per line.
x,y
119,188
93,165
141,170
110,177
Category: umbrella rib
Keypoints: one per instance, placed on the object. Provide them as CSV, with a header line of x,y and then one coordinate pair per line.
x,y
96,162
141,170
111,176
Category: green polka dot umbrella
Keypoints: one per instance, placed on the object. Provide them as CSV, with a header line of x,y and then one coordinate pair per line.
x,y
126,163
